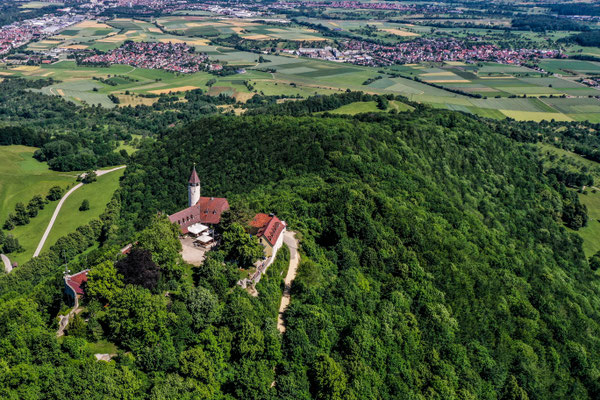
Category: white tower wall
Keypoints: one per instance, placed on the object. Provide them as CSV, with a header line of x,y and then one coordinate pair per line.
x,y
193,194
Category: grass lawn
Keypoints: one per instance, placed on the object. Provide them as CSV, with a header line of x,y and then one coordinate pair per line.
x,y
21,178
70,218
591,233
102,347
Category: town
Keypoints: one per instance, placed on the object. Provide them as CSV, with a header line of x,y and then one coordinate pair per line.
x,y
174,57
20,33
422,50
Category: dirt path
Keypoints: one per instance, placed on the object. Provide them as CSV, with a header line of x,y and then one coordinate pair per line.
x,y
7,264
289,238
40,246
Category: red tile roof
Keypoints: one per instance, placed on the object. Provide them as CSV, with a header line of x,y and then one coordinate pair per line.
x,y
260,220
208,210
194,177
76,281
269,226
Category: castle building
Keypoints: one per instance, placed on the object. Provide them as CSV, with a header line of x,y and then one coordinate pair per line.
x,y
201,211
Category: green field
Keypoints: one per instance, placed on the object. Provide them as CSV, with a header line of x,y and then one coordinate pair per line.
x,y
246,28
97,193
591,232
369,106
21,178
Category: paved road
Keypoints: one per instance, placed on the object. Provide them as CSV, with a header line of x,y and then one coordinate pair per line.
x,y
289,238
40,246
7,264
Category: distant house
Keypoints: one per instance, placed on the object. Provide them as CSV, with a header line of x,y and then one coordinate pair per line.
x,y
269,230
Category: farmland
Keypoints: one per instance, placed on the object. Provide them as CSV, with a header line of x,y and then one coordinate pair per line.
x,y
484,88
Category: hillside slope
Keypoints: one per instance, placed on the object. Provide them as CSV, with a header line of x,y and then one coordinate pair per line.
x,y
434,264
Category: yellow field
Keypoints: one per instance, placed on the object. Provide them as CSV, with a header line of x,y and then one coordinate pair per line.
x,y
399,32
195,42
448,80
257,37
91,24
445,73
174,90
75,47
26,68
534,115
126,100
5,73
154,30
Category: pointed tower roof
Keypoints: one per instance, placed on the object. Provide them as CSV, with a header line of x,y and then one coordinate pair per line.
x,y
194,177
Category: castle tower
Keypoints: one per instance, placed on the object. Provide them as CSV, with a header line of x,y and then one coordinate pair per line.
x,y
193,188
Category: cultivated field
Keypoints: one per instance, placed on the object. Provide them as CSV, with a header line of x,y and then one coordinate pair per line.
x,y
488,89
246,28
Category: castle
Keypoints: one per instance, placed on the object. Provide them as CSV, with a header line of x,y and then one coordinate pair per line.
x,y
201,211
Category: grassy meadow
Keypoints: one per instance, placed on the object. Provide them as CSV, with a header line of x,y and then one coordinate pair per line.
x,y
22,177
97,193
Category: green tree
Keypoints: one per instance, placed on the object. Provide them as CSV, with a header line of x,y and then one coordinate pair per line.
x,y
21,214
512,390
89,177
240,247
55,193
328,379
103,282
136,319
85,205
203,307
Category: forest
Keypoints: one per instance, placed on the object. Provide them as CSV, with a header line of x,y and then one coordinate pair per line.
x,y
435,263
76,138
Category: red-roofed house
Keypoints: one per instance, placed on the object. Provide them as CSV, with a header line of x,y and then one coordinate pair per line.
x,y
74,285
202,210
270,232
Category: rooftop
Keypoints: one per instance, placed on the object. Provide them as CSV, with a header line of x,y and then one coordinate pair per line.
x,y
268,226
208,210
76,281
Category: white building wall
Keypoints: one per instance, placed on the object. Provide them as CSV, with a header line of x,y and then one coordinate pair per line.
x,y
193,194
278,244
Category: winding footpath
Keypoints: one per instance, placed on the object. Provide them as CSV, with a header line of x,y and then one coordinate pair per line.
x,y
289,238
7,264
40,246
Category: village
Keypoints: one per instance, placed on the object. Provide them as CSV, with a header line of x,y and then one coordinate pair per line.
x,y
174,57
422,50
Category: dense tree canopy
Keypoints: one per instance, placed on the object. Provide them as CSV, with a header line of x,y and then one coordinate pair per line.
x,y
435,263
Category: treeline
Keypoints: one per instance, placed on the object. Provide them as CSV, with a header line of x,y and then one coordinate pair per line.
x,y
591,38
321,103
543,23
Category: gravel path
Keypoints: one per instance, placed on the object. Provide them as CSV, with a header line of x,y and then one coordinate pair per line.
x,y
40,246
289,238
7,264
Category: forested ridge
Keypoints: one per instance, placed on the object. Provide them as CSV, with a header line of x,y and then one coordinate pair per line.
x,y
434,265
